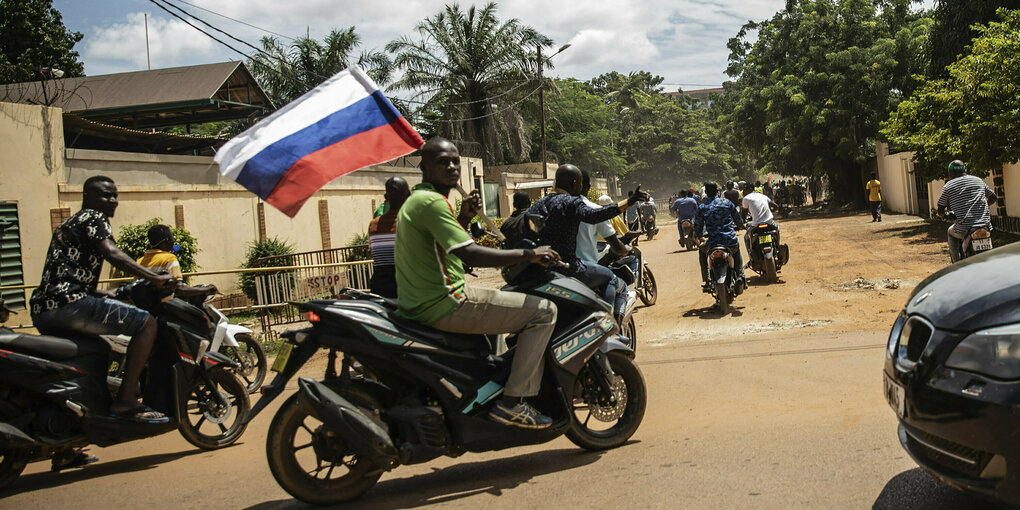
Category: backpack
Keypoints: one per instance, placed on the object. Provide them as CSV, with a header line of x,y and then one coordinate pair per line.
x,y
514,229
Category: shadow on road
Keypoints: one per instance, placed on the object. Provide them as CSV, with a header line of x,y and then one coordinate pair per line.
x,y
458,481
917,490
45,480
922,233
712,312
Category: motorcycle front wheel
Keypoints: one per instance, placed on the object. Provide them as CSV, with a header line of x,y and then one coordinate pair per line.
x,y
649,293
207,423
601,427
251,357
311,462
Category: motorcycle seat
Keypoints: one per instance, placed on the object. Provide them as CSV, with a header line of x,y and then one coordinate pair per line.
x,y
49,347
456,341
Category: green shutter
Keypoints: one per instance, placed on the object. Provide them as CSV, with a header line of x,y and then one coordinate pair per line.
x,y
10,256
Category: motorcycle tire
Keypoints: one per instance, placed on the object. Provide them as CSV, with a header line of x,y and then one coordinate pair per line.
x,y
12,461
649,293
771,274
206,411
632,392
252,358
630,331
722,298
282,452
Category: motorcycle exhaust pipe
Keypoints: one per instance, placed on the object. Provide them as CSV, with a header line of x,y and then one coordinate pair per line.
x,y
357,430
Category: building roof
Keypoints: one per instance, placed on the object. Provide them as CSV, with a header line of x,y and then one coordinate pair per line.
x,y
156,98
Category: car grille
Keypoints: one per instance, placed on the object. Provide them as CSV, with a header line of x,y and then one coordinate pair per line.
x,y
949,455
917,332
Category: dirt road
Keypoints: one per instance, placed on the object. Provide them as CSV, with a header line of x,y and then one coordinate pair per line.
x,y
778,405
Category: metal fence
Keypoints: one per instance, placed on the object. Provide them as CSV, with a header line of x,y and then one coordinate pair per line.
x,y
305,276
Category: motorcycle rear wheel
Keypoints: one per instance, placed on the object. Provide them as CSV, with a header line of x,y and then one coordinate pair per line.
x,y
222,427
649,293
722,298
770,271
12,461
251,357
631,392
290,456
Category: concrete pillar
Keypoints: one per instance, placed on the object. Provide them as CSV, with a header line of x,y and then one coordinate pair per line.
x,y
179,216
324,223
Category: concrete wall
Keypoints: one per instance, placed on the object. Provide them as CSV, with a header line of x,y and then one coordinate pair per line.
x,y
31,167
37,172
899,188
1011,185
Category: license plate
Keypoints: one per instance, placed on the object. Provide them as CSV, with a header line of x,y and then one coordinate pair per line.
x,y
282,357
895,395
765,239
981,244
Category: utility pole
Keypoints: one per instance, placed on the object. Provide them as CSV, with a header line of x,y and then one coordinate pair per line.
x,y
541,106
148,62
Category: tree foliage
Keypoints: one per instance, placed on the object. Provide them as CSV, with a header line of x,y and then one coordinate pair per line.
x,y
974,113
955,26
134,241
34,43
579,128
821,77
286,72
472,71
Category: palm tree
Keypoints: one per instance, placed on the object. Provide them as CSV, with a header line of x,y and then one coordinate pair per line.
x,y
471,73
286,72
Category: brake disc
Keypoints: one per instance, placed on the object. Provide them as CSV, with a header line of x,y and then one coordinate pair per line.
x,y
615,411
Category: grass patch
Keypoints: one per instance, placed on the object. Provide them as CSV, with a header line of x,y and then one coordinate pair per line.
x,y
240,318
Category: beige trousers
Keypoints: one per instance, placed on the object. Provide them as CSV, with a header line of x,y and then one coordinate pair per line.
x,y
490,311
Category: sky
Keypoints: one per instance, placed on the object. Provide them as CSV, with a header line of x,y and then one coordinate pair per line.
x,y
684,41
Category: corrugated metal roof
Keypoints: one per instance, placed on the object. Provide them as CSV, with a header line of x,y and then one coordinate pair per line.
x,y
137,88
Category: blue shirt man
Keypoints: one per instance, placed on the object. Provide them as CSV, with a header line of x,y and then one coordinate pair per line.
x,y
685,208
720,218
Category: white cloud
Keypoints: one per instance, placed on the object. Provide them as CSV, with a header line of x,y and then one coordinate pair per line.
x,y
121,46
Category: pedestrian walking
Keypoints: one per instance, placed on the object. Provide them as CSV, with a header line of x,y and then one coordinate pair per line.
x,y
874,188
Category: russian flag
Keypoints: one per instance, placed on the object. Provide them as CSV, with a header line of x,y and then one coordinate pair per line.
x,y
340,126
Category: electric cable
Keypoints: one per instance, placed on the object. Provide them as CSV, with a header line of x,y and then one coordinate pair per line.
x,y
237,20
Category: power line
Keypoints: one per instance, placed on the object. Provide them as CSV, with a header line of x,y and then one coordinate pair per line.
x,y
200,20
237,20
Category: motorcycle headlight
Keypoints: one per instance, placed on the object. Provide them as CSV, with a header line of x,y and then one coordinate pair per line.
x,y
894,335
993,352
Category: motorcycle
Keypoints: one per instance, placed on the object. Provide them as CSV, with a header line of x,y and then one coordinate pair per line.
x,y
978,240
430,392
767,257
648,227
725,280
54,397
233,341
687,238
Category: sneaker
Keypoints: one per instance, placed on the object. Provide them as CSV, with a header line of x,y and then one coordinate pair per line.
x,y
521,415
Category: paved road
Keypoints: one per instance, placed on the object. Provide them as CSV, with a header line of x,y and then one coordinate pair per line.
x,y
774,411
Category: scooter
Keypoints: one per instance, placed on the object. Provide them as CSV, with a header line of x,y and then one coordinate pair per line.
x,y
232,340
767,256
54,397
978,240
431,391
726,282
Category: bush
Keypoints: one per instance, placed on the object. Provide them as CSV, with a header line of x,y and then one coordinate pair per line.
x,y
271,247
134,241
487,240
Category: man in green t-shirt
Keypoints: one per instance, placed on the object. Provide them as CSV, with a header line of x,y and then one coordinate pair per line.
x,y
432,246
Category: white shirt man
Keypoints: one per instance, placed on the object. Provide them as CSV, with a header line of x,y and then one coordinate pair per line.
x,y
760,208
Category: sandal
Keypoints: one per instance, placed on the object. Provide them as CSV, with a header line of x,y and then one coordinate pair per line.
x,y
141,414
68,459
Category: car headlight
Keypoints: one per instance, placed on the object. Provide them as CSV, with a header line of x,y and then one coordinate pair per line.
x,y
993,352
894,335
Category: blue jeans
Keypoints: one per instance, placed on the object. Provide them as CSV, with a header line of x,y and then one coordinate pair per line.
x,y
92,315
602,280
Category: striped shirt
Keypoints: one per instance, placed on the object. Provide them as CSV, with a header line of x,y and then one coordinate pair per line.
x,y
967,196
382,235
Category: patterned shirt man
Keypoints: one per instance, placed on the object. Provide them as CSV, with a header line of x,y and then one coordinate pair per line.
x,y
967,196
73,262
718,217
563,215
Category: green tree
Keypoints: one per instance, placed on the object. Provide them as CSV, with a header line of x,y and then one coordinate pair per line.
x,y
815,86
472,72
974,113
34,44
286,72
579,128
625,88
955,27
134,241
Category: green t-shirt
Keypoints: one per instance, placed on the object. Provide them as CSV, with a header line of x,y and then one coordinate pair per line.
x,y
430,279
381,210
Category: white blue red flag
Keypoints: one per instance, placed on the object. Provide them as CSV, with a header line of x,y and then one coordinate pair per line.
x,y
340,126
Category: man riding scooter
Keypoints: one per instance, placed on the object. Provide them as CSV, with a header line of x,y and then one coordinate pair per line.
x,y
685,208
720,219
969,198
760,208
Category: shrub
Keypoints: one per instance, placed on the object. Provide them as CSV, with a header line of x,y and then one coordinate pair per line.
x,y
134,241
271,247
487,240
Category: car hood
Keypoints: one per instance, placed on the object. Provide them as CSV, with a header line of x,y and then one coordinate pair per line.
x,y
976,293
